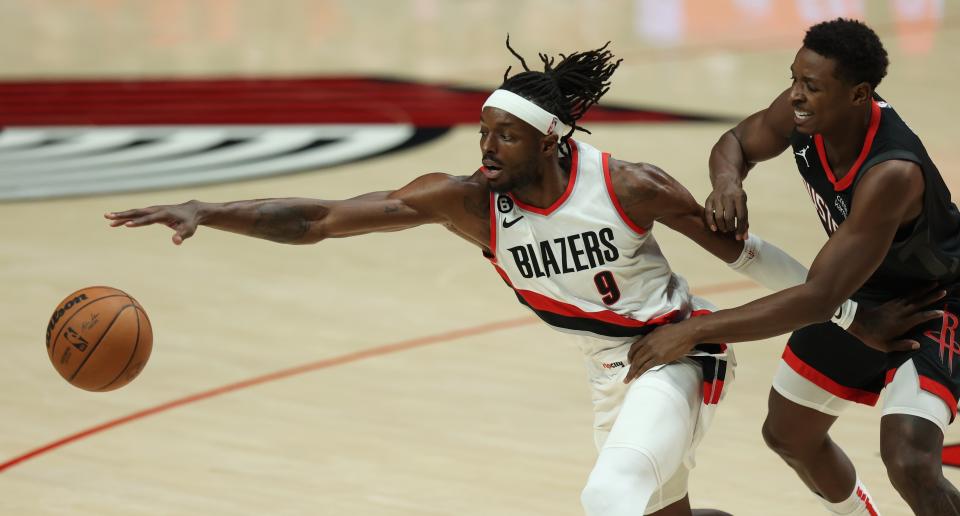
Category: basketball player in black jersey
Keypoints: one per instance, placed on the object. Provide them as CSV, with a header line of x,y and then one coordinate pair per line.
x,y
893,229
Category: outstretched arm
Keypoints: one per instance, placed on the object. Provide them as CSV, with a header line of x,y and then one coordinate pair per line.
x,y
431,198
887,197
759,137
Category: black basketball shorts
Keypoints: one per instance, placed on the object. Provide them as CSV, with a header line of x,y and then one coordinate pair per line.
x,y
841,364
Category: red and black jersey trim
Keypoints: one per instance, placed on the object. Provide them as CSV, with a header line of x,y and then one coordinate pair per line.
x,y
588,324
714,367
571,317
714,374
610,324
843,184
933,387
826,383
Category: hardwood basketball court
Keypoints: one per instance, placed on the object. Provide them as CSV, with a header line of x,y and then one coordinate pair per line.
x,y
388,374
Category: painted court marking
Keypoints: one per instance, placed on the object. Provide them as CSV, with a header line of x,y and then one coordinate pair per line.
x,y
313,366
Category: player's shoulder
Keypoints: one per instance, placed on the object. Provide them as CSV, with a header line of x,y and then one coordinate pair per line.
x,y
646,192
893,170
893,132
446,194
474,183
638,176
895,149
890,180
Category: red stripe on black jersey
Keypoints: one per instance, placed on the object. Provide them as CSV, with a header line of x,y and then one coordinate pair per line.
x,y
826,383
847,180
936,388
926,250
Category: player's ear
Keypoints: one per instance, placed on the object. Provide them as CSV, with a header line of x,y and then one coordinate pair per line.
x,y
548,143
862,93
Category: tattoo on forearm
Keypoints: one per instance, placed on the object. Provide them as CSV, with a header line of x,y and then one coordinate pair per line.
x,y
391,208
282,224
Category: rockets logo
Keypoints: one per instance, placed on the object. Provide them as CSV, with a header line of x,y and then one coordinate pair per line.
x,y
95,137
946,338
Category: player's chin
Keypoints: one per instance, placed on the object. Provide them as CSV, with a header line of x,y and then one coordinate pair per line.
x,y
500,184
804,129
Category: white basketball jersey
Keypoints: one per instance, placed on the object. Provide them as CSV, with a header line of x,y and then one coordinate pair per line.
x,y
581,264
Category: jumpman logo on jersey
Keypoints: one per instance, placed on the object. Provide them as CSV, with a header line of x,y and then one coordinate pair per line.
x,y
947,338
803,154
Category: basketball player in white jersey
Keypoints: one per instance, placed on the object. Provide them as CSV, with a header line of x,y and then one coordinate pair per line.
x,y
569,229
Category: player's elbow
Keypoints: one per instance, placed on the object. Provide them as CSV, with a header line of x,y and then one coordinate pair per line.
x,y
310,232
824,311
306,241
727,142
314,235
819,304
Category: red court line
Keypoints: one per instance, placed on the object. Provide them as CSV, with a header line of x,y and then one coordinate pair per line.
x,y
313,366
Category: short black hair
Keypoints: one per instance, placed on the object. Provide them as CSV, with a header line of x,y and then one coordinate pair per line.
x,y
856,49
568,89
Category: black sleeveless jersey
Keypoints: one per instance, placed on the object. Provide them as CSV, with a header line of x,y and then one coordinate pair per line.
x,y
928,250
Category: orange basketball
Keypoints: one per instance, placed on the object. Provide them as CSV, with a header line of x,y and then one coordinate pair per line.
x,y
99,338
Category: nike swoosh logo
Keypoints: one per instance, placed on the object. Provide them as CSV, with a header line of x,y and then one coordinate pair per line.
x,y
508,223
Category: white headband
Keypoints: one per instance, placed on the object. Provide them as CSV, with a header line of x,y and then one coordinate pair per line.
x,y
541,119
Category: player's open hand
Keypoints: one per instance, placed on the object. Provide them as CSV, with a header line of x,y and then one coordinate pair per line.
x,y
181,218
663,345
726,210
883,327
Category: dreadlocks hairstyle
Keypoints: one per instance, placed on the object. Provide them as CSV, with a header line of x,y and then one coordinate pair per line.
x,y
568,89
857,50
